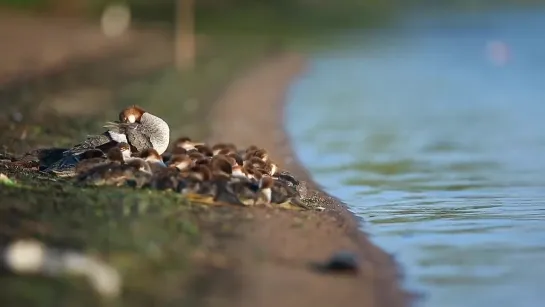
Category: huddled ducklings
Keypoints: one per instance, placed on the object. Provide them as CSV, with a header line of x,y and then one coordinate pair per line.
x,y
210,174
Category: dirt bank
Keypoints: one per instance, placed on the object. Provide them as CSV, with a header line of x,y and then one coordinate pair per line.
x,y
251,112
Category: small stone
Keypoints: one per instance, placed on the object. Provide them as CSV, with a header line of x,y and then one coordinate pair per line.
x,y
340,262
17,117
5,180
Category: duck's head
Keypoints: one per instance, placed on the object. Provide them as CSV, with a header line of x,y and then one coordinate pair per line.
x,y
132,114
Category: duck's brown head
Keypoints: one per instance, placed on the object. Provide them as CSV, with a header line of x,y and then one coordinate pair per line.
x,y
132,114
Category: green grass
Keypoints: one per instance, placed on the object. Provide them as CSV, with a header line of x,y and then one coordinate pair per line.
x,y
147,235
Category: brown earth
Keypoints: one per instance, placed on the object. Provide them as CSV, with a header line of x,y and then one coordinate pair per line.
x,y
266,256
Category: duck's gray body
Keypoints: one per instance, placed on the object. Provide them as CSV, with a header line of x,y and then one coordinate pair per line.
x,y
150,132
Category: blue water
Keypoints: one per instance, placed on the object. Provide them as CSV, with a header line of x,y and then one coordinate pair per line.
x,y
433,131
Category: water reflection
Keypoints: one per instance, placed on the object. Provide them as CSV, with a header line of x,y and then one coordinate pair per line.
x,y
433,132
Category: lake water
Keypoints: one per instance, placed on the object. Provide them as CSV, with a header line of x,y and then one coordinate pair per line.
x,y
433,131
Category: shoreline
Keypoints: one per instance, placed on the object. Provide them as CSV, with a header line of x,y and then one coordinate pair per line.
x,y
251,111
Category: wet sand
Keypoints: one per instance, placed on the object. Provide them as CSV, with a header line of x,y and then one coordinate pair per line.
x,y
251,112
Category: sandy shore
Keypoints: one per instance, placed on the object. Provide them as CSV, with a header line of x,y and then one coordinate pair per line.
x,y
251,112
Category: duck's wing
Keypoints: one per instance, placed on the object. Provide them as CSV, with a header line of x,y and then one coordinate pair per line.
x,y
92,141
65,167
138,140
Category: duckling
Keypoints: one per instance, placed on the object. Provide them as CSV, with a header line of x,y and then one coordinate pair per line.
x,y
186,143
237,158
238,171
259,153
205,150
221,166
90,159
202,161
99,165
269,167
125,150
101,172
137,173
195,155
179,151
171,177
181,162
196,183
225,151
220,146
251,148
264,190
153,158
223,183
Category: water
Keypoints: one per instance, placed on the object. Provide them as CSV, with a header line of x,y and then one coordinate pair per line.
x,y
435,135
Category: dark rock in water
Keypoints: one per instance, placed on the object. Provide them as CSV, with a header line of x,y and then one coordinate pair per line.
x,y
340,262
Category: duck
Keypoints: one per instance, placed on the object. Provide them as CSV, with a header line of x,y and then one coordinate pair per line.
x,y
142,129
187,144
135,127
153,158
171,177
